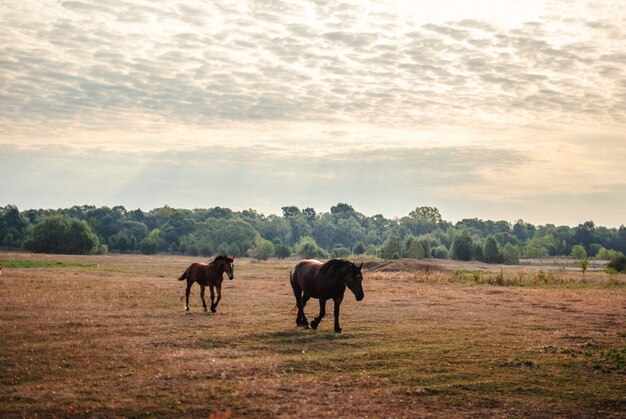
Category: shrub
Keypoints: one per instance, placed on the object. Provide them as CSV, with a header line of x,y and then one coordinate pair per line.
x,y
618,263
282,251
440,252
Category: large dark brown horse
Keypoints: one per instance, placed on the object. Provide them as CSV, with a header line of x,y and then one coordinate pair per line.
x,y
324,281
211,274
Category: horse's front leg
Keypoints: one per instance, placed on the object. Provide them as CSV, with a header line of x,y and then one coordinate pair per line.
x,y
337,304
202,297
212,290
319,318
219,297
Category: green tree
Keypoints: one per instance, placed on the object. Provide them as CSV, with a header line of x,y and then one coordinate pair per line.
x,y
307,248
510,254
579,252
359,248
13,227
261,249
391,247
61,234
415,250
282,251
491,253
440,252
462,246
340,251
618,263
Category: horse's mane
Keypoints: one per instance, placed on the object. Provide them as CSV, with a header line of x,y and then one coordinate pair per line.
x,y
222,257
333,264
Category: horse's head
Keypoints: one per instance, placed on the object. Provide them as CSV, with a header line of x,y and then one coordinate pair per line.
x,y
228,264
354,281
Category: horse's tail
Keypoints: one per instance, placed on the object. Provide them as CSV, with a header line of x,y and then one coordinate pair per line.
x,y
184,275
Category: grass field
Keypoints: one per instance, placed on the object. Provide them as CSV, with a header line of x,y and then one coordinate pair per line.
x,y
108,336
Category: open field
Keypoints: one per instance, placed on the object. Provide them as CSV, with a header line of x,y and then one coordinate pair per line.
x,y
107,336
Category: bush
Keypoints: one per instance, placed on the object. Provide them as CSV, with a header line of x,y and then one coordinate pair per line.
x,y
261,249
308,248
440,252
282,251
340,251
149,246
510,255
618,263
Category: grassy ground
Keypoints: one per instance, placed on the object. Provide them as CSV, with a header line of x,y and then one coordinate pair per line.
x,y
107,336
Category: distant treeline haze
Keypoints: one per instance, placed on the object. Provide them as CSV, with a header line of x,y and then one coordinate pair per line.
x,y
339,233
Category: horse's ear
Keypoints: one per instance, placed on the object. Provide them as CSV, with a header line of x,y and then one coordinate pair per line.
x,y
361,266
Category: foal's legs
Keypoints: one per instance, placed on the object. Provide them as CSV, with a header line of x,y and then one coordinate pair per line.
x,y
189,284
219,297
337,302
202,297
319,318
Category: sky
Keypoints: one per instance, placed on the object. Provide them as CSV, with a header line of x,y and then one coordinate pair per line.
x,y
501,110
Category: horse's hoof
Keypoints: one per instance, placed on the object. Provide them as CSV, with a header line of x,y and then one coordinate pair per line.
x,y
186,308
313,325
205,309
337,330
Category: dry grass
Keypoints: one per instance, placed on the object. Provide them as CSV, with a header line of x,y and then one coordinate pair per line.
x,y
109,337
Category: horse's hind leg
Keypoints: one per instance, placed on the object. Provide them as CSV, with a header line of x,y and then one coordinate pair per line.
x,y
301,300
319,318
202,297
189,284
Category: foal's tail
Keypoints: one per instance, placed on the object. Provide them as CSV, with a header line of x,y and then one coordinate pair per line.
x,y
184,275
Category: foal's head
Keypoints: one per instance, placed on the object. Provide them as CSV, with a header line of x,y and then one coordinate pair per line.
x,y
228,264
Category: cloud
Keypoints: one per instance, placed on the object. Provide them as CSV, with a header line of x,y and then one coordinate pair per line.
x,y
176,63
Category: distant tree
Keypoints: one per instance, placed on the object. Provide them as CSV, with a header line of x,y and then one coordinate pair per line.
x,y
13,227
282,251
149,246
618,263
307,248
261,249
61,234
594,248
440,252
462,246
391,247
371,250
579,252
425,243
428,214
415,249
340,251
491,253
359,248
510,255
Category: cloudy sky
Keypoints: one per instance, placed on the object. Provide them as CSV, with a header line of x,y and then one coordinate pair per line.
x,y
503,109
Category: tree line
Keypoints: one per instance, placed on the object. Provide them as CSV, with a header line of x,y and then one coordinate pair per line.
x,y
341,232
